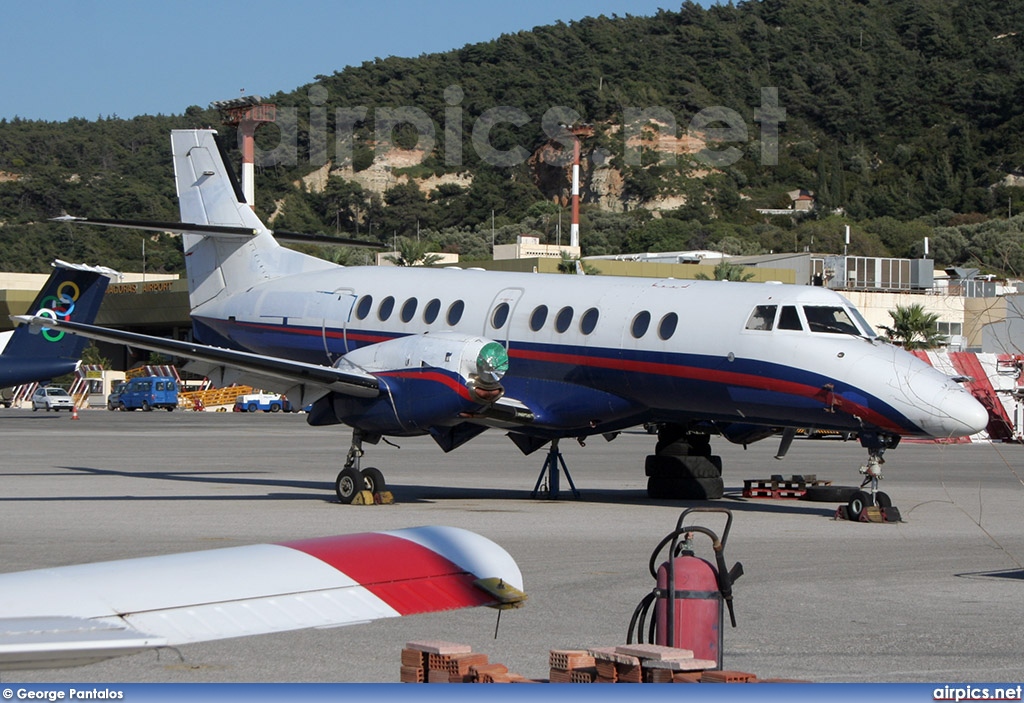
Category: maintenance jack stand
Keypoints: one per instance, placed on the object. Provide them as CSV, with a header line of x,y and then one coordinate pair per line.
x,y
551,470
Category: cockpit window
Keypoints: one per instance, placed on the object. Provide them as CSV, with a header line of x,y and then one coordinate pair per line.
x,y
763,317
789,319
830,319
864,325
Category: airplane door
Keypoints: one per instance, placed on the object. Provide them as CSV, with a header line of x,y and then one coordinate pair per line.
x,y
343,301
498,323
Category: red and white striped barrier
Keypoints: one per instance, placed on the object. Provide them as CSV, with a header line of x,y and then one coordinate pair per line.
x,y
996,381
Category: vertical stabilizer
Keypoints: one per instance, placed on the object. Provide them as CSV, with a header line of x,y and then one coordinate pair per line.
x,y
73,292
219,264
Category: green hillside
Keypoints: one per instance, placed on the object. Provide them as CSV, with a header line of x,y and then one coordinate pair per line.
x,y
903,118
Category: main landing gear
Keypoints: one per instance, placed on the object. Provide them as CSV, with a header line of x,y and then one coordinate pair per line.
x,y
352,479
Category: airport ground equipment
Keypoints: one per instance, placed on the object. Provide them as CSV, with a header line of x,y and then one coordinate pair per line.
x,y
691,594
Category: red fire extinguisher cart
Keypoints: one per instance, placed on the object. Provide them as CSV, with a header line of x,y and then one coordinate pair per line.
x,y
691,593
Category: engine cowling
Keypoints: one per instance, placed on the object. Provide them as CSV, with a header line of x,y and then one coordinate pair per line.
x,y
427,380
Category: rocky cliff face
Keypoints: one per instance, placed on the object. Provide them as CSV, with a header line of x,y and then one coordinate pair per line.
x,y
551,169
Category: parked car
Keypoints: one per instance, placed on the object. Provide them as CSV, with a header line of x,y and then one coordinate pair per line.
x,y
52,398
114,398
149,392
267,402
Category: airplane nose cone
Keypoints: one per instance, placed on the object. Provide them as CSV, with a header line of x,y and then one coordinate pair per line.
x,y
966,416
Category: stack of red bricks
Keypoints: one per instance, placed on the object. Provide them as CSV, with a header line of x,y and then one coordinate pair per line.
x,y
636,663
448,662
434,661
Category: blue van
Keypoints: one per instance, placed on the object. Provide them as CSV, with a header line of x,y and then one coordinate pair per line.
x,y
148,392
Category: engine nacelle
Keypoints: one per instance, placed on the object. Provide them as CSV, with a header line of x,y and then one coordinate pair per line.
x,y
426,380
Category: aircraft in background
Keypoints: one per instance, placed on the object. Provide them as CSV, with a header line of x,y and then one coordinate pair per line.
x,y
72,292
452,352
75,615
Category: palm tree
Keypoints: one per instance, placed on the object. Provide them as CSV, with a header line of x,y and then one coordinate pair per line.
x,y
728,271
412,253
913,328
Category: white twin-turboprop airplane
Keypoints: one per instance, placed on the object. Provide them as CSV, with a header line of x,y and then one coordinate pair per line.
x,y
452,352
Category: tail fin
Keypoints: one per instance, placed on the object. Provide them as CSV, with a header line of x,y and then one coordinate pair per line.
x,y
73,292
208,194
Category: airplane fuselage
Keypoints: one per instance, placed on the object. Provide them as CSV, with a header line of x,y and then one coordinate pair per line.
x,y
600,353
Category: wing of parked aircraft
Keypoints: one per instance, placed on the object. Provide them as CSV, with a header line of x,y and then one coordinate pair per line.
x,y
76,615
72,292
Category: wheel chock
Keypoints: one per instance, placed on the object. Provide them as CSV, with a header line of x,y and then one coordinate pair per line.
x,y
363,498
872,513
368,498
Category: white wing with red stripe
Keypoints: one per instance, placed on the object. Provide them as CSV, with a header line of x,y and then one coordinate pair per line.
x,y
74,615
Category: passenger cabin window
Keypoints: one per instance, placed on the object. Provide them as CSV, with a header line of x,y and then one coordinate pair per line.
x,y
667,326
789,319
431,310
763,317
363,308
538,317
409,309
563,319
387,306
500,316
640,324
589,321
829,319
455,311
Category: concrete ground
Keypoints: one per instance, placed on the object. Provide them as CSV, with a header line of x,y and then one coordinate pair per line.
x,y
934,598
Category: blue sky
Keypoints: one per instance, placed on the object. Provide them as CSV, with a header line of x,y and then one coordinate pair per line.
x,y
102,58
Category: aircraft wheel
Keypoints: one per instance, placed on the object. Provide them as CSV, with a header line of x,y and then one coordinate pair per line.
x,y
882,500
373,479
858,501
348,484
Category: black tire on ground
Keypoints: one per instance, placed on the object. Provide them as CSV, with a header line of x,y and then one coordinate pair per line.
x,y
275,407
682,448
170,408
373,479
348,484
858,501
683,466
252,407
676,488
146,407
882,500
829,494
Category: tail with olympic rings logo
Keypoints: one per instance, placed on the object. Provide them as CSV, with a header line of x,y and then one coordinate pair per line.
x,y
73,292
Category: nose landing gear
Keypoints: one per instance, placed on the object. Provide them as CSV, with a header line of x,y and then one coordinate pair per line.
x,y
873,505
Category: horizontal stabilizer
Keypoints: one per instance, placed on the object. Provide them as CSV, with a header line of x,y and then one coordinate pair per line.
x,y
218,231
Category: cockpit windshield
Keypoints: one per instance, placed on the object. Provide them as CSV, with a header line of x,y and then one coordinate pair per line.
x,y
831,319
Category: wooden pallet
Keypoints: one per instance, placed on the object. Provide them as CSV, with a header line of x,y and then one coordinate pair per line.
x,y
779,487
